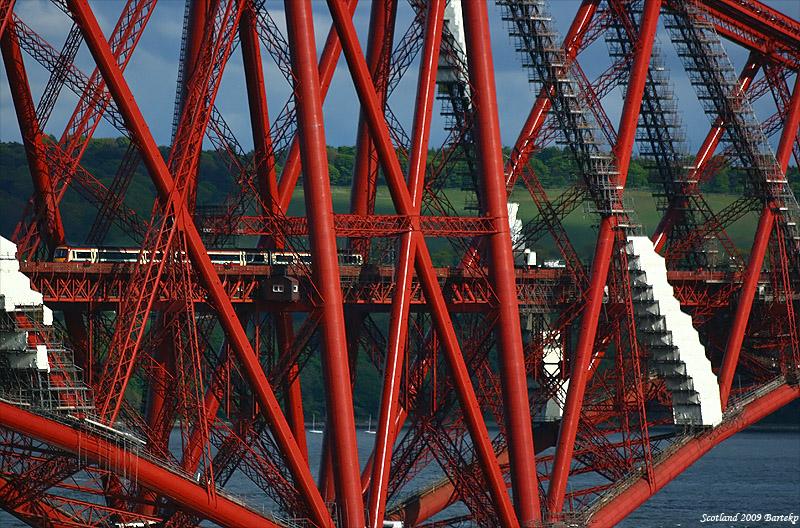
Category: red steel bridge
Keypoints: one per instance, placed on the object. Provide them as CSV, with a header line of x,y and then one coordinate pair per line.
x,y
510,395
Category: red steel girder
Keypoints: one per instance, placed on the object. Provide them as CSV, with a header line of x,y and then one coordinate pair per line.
x,y
404,205
398,328
365,173
601,261
104,284
752,273
325,269
199,256
92,106
6,10
259,111
454,297
352,225
327,66
45,199
179,488
689,452
519,430
754,25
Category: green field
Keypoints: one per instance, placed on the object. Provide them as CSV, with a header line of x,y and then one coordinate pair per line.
x,y
580,225
103,157
555,169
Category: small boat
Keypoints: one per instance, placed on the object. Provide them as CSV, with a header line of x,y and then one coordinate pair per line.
x,y
314,426
369,426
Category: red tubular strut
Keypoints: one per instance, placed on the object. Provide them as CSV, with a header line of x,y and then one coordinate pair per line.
x,y
519,429
180,489
600,264
398,323
621,505
6,10
259,111
198,16
760,243
424,266
607,426
525,144
46,202
319,208
199,256
362,191
327,67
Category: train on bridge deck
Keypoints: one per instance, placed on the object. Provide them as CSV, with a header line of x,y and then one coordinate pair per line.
x,y
236,257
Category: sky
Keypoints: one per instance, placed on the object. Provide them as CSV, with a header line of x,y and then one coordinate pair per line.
x,y
153,70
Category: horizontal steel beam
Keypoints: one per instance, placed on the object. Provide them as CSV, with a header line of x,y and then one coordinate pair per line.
x,y
181,489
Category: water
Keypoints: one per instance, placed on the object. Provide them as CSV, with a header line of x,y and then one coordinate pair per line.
x,y
752,472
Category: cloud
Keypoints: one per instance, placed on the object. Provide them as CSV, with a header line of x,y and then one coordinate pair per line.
x,y
153,70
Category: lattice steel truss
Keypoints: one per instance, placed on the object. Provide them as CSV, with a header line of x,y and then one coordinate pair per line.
x,y
187,373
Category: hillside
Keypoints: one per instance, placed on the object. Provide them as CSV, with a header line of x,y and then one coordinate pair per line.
x,y
554,167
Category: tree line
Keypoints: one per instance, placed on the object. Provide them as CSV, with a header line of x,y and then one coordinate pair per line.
x,y
554,166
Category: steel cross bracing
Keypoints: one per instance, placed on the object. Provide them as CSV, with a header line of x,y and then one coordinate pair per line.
x,y
557,357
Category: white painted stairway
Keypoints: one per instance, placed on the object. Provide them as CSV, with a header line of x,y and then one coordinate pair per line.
x,y
676,352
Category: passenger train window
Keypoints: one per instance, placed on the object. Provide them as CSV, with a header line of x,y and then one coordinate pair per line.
x,y
83,254
255,258
60,253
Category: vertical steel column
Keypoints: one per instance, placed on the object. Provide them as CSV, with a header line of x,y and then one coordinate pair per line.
x,y
110,455
259,111
198,13
6,8
293,390
198,18
398,324
714,136
198,254
513,375
600,263
760,243
50,223
379,50
327,67
268,191
365,172
319,209
398,188
157,398
525,143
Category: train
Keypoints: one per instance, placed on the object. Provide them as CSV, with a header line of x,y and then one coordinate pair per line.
x,y
231,257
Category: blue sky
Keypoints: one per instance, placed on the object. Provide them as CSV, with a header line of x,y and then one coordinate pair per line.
x,y
153,71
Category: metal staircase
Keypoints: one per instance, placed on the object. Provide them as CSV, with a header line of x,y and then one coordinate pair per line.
x,y
36,370
676,354
453,91
711,73
530,25
660,139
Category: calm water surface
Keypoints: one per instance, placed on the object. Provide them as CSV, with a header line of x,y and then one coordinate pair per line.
x,y
752,472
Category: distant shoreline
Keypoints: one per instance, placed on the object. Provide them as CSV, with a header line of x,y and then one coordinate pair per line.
x,y
773,428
